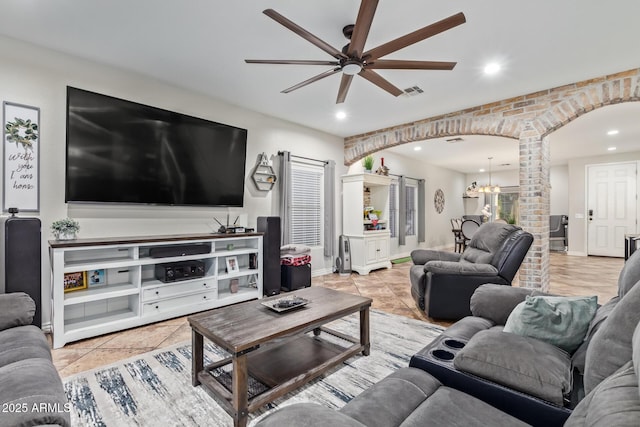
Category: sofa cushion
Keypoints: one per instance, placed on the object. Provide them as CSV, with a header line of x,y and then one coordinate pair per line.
x,y
610,346
486,242
16,309
33,385
460,268
495,302
629,275
560,321
614,402
467,327
450,407
23,342
409,388
579,356
423,256
531,366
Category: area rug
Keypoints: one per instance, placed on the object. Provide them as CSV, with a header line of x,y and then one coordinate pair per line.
x,y
155,388
401,260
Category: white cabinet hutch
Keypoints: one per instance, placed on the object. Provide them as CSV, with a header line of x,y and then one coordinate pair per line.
x,y
369,243
131,295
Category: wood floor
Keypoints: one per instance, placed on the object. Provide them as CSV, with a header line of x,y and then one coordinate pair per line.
x,y
389,289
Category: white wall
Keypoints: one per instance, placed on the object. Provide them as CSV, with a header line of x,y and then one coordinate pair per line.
x,y
38,77
559,194
438,226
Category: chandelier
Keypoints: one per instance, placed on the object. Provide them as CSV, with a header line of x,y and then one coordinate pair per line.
x,y
489,188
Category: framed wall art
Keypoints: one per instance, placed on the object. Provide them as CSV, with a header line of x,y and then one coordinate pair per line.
x,y
95,277
438,200
232,264
21,157
74,281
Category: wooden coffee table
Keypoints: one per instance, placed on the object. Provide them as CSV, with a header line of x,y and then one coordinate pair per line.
x,y
277,349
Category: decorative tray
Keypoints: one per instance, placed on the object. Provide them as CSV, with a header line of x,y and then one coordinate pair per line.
x,y
285,304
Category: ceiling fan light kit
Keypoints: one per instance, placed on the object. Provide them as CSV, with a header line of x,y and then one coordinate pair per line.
x,y
351,68
352,59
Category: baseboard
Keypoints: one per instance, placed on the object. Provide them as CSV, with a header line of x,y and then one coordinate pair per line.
x,y
576,253
321,272
400,255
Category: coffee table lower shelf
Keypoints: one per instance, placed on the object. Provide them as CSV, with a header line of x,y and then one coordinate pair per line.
x,y
282,367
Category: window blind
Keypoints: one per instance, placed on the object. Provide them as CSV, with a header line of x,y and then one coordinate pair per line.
x,y
393,209
306,206
411,210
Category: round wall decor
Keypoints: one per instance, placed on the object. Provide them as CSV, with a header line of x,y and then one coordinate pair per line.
x,y
438,200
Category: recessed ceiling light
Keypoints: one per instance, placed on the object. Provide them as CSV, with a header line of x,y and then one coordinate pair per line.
x,y
417,148
481,170
613,132
611,149
341,115
492,68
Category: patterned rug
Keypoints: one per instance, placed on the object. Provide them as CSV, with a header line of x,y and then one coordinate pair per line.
x,y
155,388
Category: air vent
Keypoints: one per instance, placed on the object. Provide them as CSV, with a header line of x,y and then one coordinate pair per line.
x,y
454,140
505,164
413,91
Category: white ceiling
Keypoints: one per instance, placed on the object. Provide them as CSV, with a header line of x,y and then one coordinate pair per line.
x,y
201,45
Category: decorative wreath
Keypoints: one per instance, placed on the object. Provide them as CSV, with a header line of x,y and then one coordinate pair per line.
x,y
26,138
438,200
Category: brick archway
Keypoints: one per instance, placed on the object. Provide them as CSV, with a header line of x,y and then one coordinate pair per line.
x,y
530,119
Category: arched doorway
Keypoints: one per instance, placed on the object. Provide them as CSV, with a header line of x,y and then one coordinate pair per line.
x,y
529,118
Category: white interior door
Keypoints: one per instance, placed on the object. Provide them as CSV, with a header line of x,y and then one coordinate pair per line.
x,y
611,207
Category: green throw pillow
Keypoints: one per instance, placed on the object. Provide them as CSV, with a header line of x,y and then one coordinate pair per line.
x,y
560,321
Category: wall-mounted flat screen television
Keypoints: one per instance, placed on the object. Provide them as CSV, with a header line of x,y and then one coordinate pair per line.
x,y
123,152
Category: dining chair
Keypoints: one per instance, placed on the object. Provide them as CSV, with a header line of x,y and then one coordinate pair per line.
x,y
468,229
458,238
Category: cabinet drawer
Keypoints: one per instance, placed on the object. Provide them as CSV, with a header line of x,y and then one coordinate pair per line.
x,y
150,308
176,289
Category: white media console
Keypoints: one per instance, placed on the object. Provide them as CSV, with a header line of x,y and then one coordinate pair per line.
x,y
128,294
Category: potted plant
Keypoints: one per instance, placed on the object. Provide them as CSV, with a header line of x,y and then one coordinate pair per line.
x,y
65,229
367,162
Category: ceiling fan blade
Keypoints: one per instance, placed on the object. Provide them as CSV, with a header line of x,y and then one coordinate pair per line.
x,y
416,36
361,27
379,81
344,88
392,64
311,80
304,34
292,62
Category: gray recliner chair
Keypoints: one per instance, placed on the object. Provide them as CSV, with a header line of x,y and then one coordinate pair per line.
x,y
442,282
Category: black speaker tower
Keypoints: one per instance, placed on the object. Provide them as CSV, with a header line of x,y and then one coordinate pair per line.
x,y
270,226
22,264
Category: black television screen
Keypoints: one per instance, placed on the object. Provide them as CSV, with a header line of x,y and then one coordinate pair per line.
x,y
124,152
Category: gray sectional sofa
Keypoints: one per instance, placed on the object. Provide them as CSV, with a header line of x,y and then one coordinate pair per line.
x,y
31,392
475,374
410,397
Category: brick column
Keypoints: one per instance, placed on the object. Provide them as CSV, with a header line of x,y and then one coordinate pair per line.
x,y
534,208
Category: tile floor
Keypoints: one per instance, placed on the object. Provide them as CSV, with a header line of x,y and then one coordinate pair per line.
x,y
389,289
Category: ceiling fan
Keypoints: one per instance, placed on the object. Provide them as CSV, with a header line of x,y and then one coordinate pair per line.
x,y
352,59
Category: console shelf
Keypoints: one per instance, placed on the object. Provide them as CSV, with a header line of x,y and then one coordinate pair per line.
x,y
130,295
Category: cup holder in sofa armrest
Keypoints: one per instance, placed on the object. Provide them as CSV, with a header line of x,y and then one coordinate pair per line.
x,y
442,354
453,344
